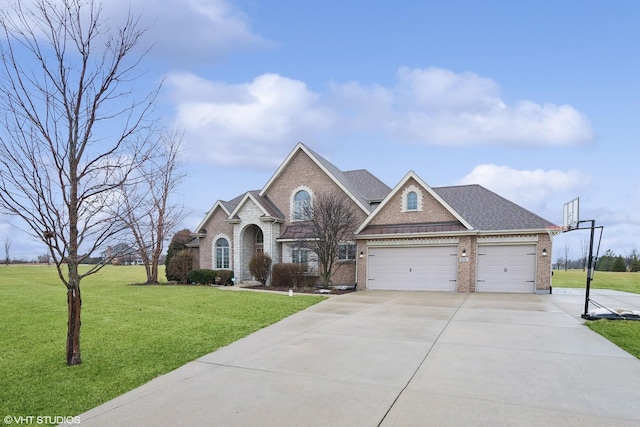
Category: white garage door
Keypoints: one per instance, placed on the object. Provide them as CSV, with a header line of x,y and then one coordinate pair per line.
x,y
510,268
424,268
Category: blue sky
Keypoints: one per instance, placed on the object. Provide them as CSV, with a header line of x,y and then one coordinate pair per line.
x,y
537,101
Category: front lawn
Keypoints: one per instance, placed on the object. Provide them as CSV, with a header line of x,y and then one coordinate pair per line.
x,y
130,334
624,333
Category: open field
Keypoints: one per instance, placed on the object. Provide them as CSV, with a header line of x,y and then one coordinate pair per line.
x,y
627,282
130,334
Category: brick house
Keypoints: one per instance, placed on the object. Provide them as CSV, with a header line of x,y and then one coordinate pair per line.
x,y
410,237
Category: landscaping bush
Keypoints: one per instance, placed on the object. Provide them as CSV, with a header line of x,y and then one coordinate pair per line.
x,y
289,275
225,276
180,265
202,277
260,267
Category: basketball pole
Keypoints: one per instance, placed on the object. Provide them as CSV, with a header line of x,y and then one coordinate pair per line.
x,y
590,267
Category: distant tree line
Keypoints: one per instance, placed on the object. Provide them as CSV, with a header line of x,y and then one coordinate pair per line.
x,y
609,261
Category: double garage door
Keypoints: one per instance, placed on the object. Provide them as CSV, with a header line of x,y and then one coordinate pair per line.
x,y
419,268
500,268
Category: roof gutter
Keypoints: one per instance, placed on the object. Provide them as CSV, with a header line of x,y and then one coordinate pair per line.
x,y
449,233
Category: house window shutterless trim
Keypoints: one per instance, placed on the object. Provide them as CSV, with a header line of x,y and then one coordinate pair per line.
x,y
346,252
301,201
301,205
412,201
222,253
300,256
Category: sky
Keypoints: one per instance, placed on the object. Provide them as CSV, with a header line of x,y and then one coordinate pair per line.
x,y
536,101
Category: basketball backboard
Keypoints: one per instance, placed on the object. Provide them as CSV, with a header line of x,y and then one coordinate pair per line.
x,y
571,214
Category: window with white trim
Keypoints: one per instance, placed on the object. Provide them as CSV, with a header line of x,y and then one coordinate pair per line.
x,y
222,253
299,256
301,205
346,252
412,201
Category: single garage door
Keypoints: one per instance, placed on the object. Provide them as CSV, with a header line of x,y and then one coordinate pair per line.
x,y
508,268
419,268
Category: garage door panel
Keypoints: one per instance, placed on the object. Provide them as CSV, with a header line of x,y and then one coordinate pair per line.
x,y
412,268
508,268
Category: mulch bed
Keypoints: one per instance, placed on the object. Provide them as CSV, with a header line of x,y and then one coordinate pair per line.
x,y
301,290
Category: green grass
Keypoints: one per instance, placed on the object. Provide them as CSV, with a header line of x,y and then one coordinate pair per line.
x,y
130,334
624,333
627,282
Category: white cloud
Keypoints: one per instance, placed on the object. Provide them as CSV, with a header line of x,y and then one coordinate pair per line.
x,y
182,32
439,107
253,123
185,32
530,188
234,124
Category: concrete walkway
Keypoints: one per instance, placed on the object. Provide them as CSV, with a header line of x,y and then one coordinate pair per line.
x,y
404,359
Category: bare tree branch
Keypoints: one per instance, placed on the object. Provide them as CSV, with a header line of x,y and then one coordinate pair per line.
x,y
150,214
73,130
331,222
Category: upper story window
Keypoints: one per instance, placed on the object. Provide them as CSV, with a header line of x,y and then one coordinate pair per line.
x,y
301,205
411,199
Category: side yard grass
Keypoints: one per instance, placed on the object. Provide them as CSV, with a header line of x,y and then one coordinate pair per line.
x,y
624,333
626,282
130,334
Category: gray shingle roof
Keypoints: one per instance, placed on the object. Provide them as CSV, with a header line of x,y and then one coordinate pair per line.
x,y
267,205
370,187
486,210
360,183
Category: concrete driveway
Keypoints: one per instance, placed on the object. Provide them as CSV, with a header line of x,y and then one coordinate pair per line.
x,y
404,359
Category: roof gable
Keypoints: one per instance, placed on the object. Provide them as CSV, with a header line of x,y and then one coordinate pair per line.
x,y
217,205
411,177
267,208
345,180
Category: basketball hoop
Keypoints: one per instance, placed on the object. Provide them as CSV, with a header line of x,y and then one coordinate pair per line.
x,y
554,230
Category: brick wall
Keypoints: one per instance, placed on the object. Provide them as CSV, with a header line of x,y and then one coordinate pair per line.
x,y
392,212
215,226
303,173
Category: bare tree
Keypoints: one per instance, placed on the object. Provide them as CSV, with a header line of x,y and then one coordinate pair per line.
x,y
331,222
584,252
72,129
150,214
7,247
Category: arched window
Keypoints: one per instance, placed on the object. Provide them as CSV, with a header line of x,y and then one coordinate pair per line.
x,y
222,253
259,242
412,201
301,205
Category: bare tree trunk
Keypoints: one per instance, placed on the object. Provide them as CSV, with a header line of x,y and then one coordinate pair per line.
x,y
7,246
74,302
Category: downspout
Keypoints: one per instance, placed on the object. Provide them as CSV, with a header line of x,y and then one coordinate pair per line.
x,y
271,246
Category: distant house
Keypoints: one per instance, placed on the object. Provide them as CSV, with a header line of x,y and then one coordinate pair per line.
x,y
410,237
122,254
